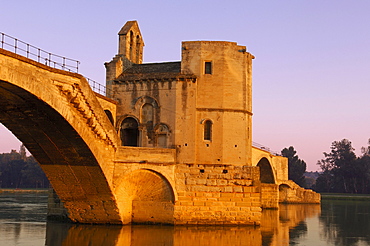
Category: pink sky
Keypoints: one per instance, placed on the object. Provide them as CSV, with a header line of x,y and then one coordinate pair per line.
x,y
310,77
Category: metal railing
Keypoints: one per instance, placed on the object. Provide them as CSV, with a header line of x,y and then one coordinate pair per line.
x,y
24,49
262,147
99,88
56,61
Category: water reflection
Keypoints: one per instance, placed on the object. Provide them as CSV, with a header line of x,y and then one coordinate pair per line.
x,y
22,218
279,227
276,229
23,222
346,222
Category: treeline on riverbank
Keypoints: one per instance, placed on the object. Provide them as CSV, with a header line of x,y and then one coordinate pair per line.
x,y
341,170
19,171
345,197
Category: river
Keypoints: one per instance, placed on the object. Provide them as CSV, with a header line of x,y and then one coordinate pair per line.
x,y
23,222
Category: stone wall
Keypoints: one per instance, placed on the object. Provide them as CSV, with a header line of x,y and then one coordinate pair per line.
x,y
217,194
290,192
269,196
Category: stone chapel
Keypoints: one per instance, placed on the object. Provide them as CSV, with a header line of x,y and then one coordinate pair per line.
x,y
190,123
201,105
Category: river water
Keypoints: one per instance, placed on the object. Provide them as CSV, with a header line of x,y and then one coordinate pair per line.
x,y
23,222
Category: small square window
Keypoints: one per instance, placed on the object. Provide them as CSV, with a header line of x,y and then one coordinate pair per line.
x,y
208,67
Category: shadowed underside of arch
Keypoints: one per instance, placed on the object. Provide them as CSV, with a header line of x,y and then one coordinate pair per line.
x,y
62,153
266,173
145,196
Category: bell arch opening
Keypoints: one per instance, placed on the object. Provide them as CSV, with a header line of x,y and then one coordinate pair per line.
x,y
266,173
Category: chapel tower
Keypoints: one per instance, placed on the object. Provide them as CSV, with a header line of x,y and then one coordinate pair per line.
x,y
130,42
130,51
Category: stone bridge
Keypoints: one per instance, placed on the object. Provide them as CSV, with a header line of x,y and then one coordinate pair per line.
x,y
59,119
65,125
275,186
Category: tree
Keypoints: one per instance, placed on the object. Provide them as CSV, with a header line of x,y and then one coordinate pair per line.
x,y
296,166
19,171
364,165
11,175
342,171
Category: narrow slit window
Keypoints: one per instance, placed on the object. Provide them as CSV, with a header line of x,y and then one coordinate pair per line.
x,y
208,67
208,130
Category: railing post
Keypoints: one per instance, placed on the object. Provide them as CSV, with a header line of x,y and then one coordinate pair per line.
x,y
28,50
15,45
38,55
49,58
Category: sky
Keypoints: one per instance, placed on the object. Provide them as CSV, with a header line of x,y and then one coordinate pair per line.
x,y
311,74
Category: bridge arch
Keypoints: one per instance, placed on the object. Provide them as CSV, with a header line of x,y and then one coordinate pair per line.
x,y
59,119
145,196
266,171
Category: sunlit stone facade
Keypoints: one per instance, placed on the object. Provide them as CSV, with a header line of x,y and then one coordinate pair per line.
x,y
200,110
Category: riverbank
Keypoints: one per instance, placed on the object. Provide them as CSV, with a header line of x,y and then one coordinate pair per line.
x,y
348,197
25,190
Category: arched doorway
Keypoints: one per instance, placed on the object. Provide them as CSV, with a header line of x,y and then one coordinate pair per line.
x,y
145,196
129,132
266,173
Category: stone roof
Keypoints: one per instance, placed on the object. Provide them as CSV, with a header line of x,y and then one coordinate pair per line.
x,y
127,27
165,67
164,70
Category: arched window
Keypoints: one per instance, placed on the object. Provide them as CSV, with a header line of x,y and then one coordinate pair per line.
x,y
147,123
208,130
129,132
138,46
147,114
162,133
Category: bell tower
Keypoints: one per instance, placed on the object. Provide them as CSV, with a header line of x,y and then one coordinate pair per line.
x,y
130,42
130,51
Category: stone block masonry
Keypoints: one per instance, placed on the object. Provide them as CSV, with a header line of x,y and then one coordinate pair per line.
x,y
217,194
